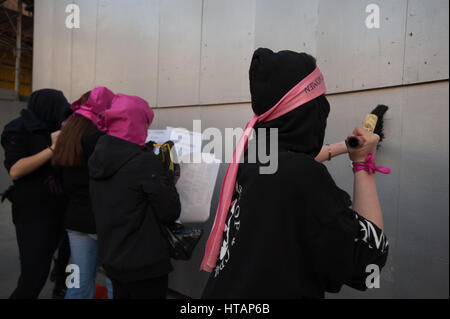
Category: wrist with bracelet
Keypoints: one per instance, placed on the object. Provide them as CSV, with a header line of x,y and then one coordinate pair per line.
x,y
369,165
329,152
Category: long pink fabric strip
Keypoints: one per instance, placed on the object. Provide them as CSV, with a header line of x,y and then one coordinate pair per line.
x,y
307,90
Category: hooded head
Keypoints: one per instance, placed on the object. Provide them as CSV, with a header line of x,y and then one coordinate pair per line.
x,y
272,75
46,110
99,101
129,118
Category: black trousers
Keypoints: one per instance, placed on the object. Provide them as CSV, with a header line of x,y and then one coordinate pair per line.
x,y
155,288
37,244
61,261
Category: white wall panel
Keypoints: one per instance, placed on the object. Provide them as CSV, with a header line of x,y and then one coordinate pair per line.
x,y
178,117
353,57
227,48
424,197
179,52
83,49
127,47
43,44
61,65
287,25
426,52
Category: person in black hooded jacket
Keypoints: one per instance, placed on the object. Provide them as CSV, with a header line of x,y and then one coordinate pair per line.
x,y
38,201
132,195
292,234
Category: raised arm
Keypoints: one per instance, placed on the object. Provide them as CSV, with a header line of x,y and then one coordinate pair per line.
x,y
365,199
28,165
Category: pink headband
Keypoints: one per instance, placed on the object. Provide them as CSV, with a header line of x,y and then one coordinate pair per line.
x,y
99,101
307,90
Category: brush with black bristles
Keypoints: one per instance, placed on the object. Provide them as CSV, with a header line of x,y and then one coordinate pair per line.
x,y
373,123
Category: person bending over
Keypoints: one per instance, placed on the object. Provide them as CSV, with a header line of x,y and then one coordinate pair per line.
x,y
132,196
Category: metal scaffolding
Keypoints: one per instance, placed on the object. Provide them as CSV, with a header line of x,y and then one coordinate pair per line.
x,y
16,35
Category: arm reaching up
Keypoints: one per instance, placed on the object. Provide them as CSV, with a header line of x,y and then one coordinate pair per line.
x,y
331,150
365,199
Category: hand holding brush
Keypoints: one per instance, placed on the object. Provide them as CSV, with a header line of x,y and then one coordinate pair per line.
x,y
373,123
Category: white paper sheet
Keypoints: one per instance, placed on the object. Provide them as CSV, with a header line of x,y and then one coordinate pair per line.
x,y
158,136
196,187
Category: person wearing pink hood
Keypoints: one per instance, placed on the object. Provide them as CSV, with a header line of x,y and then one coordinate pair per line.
x,y
76,144
132,196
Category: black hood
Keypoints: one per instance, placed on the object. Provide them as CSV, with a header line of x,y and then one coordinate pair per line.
x,y
49,107
46,110
272,75
110,154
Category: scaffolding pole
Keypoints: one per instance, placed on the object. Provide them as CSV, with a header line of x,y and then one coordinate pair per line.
x,y
18,48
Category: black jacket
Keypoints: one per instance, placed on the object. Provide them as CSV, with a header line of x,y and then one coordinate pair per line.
x,y
79,215
38,196
292,235
131,195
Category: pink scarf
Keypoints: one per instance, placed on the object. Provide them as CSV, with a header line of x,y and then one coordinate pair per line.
x,y
307,90
99,101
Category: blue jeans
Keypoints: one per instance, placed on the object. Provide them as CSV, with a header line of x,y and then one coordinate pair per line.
x,y
84,254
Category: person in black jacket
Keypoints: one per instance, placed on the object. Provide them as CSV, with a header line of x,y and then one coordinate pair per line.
x,y
75,145
38,201
293,234
132,195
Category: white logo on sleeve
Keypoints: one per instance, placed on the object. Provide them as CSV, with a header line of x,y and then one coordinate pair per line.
x,y
232,227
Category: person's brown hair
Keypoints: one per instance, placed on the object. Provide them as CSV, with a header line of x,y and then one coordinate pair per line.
x,y
84,98
69,149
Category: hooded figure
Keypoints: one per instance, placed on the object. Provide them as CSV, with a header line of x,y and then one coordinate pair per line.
x,y
291,234
75,145
131,196
94,109
38,201
26,136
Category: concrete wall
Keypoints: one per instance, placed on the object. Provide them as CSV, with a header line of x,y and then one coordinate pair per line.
x,y
190,59
197,52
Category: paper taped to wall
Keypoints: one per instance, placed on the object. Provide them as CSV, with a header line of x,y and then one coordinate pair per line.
x,y
197,180
196,187
158,136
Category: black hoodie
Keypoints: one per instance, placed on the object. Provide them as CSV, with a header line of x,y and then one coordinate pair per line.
x,y
39,195
132,196
291,234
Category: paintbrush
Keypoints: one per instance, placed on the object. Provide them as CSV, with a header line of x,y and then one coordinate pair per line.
x,y
374,123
